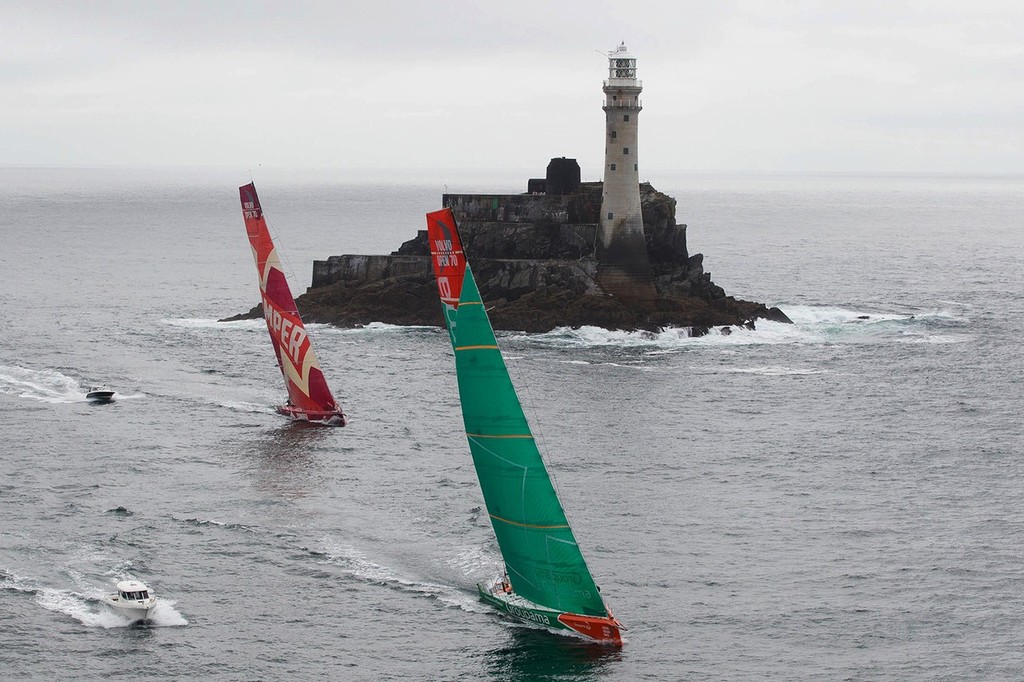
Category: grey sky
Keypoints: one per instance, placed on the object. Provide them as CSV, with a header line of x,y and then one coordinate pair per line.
x,y
787,86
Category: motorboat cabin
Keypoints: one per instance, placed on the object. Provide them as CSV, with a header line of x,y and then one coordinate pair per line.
x,y
99,394
132,599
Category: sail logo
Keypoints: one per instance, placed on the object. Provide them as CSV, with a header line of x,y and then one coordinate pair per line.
x,y
528,615
291,338
446,256
444,287
250,210
557,577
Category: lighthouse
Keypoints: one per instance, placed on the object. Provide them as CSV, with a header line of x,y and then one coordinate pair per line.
x,y
624,270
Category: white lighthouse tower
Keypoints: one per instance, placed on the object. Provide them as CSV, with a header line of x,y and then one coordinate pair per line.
x,y
624,269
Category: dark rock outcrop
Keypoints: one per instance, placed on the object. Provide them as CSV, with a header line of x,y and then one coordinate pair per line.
x,y
533,257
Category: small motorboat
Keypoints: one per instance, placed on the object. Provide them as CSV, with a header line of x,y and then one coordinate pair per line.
x,y
99,394
132,599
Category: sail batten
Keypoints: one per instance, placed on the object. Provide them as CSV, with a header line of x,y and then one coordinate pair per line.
x,y
500,435
525,525
542,558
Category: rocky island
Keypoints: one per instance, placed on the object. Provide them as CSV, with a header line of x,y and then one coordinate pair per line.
x,y
564,253
536,258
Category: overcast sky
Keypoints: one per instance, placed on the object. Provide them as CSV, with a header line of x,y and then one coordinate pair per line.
x,y
409,85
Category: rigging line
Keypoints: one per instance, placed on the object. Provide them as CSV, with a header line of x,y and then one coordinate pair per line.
x,y
543,450
494,454
535,425
521,575
282,256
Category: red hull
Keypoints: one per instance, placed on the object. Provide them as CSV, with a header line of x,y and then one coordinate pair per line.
x,y
604,630
336,418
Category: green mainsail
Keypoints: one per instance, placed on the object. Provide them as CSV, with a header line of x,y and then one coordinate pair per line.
x,y
543,561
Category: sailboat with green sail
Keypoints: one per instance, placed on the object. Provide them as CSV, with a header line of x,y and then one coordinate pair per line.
x,y
546,580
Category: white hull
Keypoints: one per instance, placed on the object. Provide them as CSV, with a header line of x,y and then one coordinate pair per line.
x,y
134,611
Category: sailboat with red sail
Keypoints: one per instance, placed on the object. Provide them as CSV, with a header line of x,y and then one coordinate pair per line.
x,y
309,398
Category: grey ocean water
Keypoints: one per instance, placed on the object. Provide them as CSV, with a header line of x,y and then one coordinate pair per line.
x,y
842,498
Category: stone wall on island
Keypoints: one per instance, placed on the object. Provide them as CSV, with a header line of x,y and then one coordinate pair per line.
x,y
534,257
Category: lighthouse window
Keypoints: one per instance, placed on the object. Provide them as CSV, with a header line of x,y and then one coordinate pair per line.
x,y
614,134
613,166
634,167
610,215
625,117
625,150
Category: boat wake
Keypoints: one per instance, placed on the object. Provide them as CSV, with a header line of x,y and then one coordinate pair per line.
x,y
48,386
44,385
474,561
91,612
87,607
242,406
356,565
129,396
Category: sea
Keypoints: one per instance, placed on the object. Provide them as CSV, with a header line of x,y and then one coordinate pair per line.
x,y
837,499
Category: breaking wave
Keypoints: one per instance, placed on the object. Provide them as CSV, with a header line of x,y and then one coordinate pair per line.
x,y
256,324
199,523
811,325
381,327
775,371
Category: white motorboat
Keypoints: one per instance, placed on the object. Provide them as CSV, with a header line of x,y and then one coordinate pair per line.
x,y
99,394
132,599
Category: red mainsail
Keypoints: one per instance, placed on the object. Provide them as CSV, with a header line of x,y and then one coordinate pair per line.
x,y
308,395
